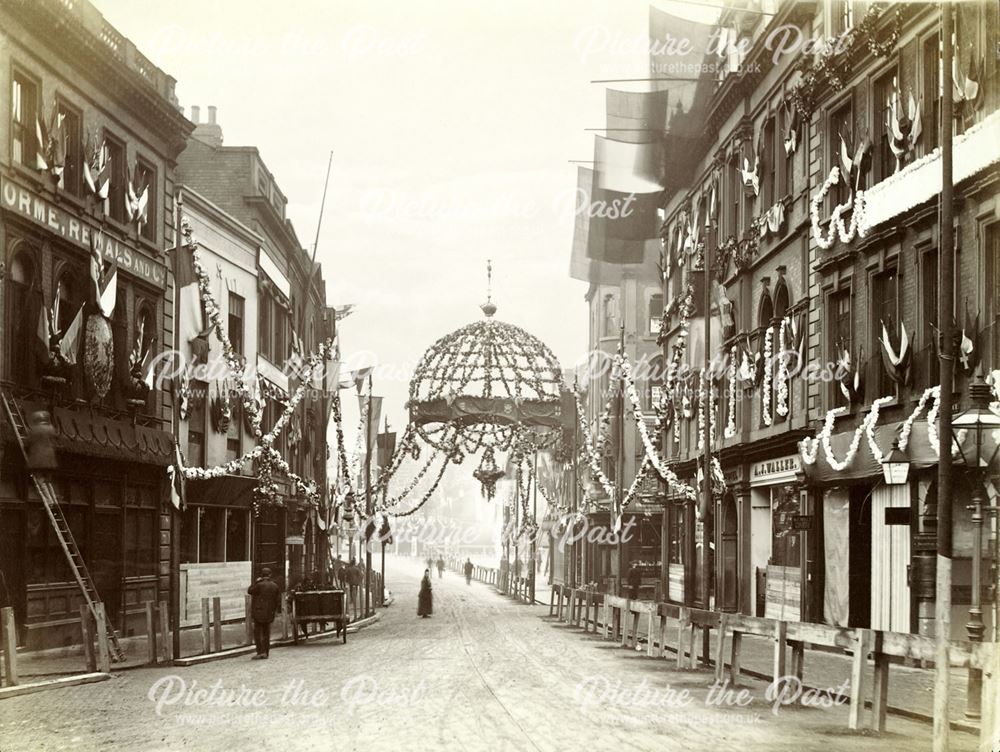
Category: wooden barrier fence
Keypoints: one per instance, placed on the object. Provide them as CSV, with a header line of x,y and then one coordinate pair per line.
x,y
620,619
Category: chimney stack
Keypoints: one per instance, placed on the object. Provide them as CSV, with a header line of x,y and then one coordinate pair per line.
x,y
195,114
209,132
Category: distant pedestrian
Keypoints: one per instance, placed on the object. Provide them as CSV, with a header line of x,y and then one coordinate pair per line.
x,y
354,577
337,571
440,566
468,571
634,580
425,601
264,600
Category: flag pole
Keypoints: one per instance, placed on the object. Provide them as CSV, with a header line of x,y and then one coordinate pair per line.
x,y
175,514
946,308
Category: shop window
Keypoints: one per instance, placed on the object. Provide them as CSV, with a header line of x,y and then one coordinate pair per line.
x,y
237,535
22,298
785,541
838,337
211,534
236,311
140,531
675,530
885,312
24,111
189,535
73,166
115,204
46,560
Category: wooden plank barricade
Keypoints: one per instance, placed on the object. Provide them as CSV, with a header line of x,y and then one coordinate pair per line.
x,y
8,635
620,618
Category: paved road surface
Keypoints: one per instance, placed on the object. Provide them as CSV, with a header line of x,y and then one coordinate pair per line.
x,y
484,673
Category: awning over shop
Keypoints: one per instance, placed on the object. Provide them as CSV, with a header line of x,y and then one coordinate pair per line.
x,y
228,490
87,433
864,465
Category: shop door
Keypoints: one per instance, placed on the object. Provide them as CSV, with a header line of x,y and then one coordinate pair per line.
x,y
890,556
860,557
730,556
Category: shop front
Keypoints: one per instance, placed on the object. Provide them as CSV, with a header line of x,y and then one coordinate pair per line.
x,y
776,526
111,490
216,545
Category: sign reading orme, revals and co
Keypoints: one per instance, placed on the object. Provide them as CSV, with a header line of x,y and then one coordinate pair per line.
x,y
26,203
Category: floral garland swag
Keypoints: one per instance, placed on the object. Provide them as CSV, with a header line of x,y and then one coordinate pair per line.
x,y
268,458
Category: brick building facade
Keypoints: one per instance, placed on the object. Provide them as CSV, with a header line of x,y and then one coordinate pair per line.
x,y
810,541
64,69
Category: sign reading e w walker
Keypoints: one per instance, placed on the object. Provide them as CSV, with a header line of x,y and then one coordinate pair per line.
x,y
26,203
778,470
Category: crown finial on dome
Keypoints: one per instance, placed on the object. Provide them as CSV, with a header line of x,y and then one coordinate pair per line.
x,y
489,307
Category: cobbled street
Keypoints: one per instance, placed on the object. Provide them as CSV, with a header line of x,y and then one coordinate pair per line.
x,y
483,673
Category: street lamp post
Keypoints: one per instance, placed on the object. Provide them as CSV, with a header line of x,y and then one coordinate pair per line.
x,y
896,466
977,422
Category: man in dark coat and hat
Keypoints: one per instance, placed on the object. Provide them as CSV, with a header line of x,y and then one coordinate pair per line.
x,y
264,601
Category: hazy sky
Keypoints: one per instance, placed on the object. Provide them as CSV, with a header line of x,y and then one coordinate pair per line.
x,y
452,124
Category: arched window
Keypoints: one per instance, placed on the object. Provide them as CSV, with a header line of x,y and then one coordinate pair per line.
x,y
21,289
69,295
780,311
765,319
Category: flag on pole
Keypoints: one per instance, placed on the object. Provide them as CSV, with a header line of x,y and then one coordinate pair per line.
x,y
97,168
373,419
386,443
69,345
176,473
105,280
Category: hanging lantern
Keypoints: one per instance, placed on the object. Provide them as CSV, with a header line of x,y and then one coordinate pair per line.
x,y
488,473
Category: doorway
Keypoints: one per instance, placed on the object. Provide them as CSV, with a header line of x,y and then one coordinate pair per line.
x,y
860,557
12,555
729,556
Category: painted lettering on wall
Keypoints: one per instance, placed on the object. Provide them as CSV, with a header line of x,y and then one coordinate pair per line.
x,y
80,231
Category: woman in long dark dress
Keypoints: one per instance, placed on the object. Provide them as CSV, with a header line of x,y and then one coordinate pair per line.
x,y
425,601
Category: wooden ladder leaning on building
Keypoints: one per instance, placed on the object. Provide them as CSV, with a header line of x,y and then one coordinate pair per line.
x,y
59,524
